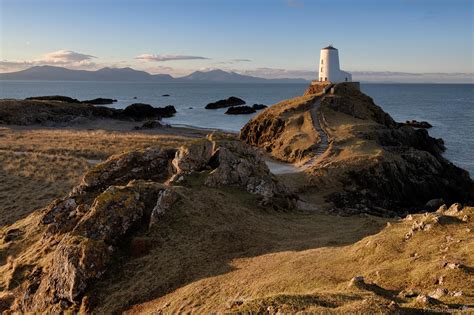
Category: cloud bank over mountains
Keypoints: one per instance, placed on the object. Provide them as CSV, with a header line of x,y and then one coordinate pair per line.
x,y
60,58
153,63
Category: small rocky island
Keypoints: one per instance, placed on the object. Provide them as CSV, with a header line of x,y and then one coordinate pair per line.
x,y
51,110
231,101
343,139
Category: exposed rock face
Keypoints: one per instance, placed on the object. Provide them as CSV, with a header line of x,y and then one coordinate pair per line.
x,y
380,164
240,110
194,157
152,164
239,165
285,130
95,227
166,199
129,193
231,101
317,88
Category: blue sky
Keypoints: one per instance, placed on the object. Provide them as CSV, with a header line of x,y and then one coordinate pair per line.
x,y
271,38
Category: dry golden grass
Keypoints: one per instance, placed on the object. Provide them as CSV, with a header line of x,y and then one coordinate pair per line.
x,y
39,165
216,251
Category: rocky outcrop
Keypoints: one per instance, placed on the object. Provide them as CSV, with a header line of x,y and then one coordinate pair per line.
x,y
286,130
29,112
119,200
96,224
317,87
231,101
240,110
239,165
151,164
381,165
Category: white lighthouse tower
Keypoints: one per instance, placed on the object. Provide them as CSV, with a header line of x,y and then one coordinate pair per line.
x,y
329,70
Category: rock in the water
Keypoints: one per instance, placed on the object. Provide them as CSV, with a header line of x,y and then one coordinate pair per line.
x,y
418,124
58,98
139,111
259,106
231,101
100,101
240,110
165,95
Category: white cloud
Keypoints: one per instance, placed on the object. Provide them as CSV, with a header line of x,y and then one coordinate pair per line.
x,y
162,58
67,58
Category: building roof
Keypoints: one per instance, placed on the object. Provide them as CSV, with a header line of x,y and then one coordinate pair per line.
x,y
330,47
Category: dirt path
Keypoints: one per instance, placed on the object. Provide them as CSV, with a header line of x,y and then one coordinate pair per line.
x,y
282,168
324,138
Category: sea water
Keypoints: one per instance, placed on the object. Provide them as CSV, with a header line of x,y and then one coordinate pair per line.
x,y
448,107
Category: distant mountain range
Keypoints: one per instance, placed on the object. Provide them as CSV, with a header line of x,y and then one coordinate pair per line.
x,y
52,73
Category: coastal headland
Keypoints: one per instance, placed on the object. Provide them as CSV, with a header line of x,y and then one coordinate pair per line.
x,y
100,218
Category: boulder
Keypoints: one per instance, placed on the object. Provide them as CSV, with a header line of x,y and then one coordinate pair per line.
x,y
100,101
193,157
231,101
357,282
237,164
166,199
152,164
259,106
84,251
75,262
454,209
240,110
